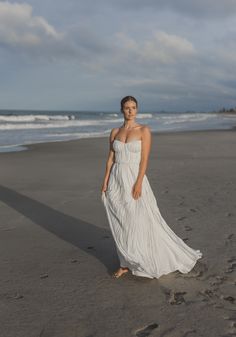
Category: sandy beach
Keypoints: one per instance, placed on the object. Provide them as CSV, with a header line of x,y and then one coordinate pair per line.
x,y
57,252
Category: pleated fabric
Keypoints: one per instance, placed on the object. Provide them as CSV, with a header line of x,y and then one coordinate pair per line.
x,y
144,242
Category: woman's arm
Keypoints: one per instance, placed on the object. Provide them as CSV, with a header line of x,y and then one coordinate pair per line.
x,y
110,160
146,147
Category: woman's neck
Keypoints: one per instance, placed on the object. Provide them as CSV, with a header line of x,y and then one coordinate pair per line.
x,y
129,124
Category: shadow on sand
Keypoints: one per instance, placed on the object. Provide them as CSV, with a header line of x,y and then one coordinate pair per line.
x,y
86,236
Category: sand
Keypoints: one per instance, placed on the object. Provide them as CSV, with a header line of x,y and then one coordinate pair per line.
x,y
58,255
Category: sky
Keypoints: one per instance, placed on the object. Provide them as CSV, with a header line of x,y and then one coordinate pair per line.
x,y
86,55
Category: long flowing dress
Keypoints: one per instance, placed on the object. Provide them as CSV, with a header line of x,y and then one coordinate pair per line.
x,y
144,242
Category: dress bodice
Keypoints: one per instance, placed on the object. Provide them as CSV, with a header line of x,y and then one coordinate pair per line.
x,y
127,153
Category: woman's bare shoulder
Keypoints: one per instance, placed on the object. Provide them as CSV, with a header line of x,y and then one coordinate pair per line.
x,y
145,128
114,130
113,133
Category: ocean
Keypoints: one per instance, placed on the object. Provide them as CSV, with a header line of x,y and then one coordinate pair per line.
x,y
18,128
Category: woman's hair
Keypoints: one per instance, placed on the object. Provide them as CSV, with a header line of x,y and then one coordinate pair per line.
x,y
126,99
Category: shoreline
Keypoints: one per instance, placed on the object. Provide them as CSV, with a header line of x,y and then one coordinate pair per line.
x,y
26,147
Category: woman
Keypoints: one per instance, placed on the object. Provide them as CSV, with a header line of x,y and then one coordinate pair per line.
x,y
145,244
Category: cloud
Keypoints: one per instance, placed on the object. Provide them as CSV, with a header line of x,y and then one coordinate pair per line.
x,y
166,48
30,35
18,27
159,49
34,37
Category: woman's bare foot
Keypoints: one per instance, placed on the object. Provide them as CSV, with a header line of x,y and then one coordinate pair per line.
x,y
120,272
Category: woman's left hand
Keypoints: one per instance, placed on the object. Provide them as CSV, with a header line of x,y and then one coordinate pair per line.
x,y
137,190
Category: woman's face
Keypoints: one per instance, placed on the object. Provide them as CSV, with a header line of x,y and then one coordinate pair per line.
x,y
130,110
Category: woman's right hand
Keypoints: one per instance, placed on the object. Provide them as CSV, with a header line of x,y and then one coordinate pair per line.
x,y
104,187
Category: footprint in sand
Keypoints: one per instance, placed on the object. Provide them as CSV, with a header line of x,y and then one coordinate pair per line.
x,y
230,299
187,228
181,218
233,325
231,265
228,214
173,297
208,294
192,210
229,236
43,276
146,331
198,270
165,191
218,280
18,296
177,297
106,237
185,239
232,259
231,330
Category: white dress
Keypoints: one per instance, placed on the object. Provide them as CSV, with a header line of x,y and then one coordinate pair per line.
x,y
144,242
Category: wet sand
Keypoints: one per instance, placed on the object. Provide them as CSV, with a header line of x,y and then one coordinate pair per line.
x,y
57,252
